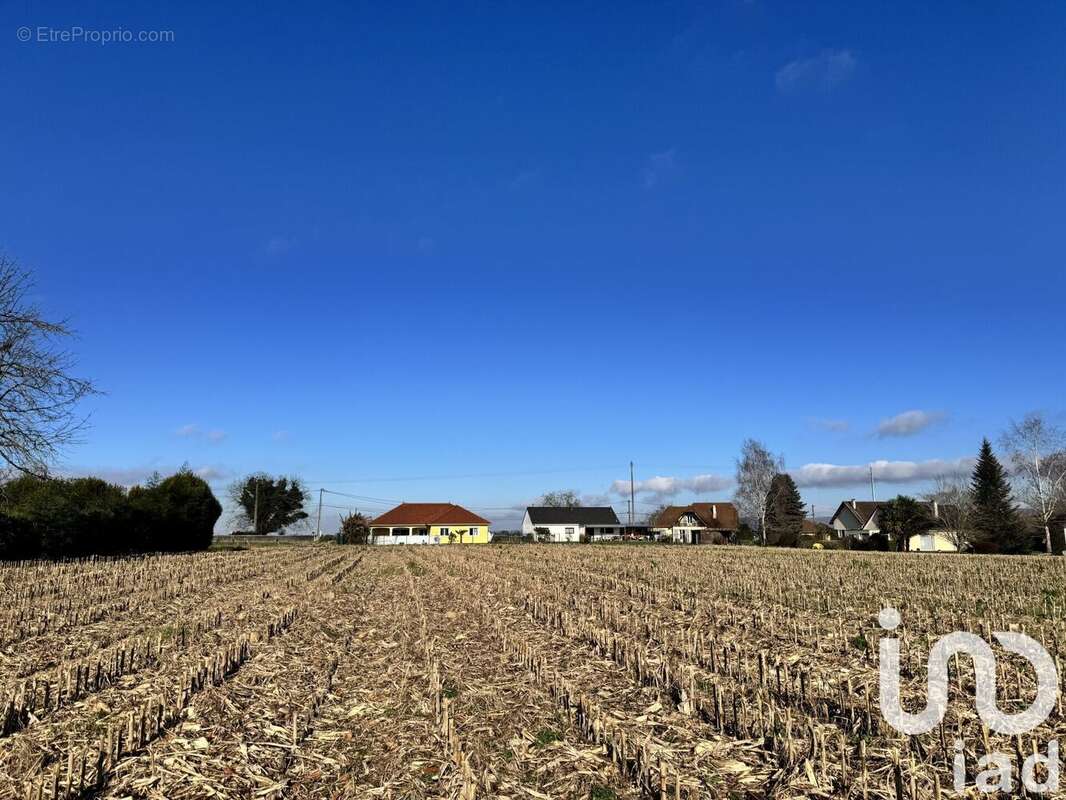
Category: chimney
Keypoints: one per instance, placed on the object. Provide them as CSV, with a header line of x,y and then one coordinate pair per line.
x,y
714,510
936,509
853,506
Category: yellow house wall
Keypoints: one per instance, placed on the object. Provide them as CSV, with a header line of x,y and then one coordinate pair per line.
x,y
941,543
482,536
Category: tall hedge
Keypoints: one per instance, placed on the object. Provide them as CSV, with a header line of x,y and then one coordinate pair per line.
x,y
76,517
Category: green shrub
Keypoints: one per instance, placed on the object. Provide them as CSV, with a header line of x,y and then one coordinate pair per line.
x,y
77,517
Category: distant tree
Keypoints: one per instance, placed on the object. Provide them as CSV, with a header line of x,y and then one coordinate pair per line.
x,y
756,469
785,512
561,498
355,528
38,394
460,533
955,509
996,525
269,504
654,514
902,518
1036,450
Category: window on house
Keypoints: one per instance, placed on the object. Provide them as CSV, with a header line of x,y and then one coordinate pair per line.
x,y
400,531
569,531
444,532
473,531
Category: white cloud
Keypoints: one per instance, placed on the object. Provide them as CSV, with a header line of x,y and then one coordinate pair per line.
x,y
280,436
211,474
216,435
661,487
822,72
908,423
187,430
828,475
659,166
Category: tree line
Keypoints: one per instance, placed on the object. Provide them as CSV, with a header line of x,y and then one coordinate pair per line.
x,y
978,512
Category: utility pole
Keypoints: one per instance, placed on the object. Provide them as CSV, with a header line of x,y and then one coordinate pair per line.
x,y
255,509
873,496
632,499
318,526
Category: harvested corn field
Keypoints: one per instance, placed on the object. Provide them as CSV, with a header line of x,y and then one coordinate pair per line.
x,y
504,672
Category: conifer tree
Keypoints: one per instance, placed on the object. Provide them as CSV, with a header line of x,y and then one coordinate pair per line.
x,y
785,512
997,527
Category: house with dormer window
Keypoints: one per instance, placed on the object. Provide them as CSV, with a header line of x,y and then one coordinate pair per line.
x,y
696,523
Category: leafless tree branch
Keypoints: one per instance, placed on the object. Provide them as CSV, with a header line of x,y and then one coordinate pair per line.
x,y
38,395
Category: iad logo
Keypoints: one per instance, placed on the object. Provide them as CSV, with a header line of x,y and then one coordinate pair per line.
x,y
936,704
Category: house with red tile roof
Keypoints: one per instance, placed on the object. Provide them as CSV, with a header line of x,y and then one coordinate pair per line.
x,y
429,523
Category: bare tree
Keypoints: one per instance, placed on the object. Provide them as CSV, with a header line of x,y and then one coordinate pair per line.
x,y
756,468
653,515
1037,452
38,394
561,498
954,509
355,528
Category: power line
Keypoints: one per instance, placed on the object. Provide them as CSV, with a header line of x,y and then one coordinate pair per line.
x,y
459,476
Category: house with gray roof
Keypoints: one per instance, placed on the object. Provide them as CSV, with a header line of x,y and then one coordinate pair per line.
x,y
569,524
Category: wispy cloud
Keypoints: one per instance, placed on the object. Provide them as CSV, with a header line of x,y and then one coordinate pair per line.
x,y
194,431
830,475
280,436
213,473
135,475
659,167
822,72
831,425
908,423
662,487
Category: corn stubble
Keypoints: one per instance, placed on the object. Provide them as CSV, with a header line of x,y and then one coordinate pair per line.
x,y
500,672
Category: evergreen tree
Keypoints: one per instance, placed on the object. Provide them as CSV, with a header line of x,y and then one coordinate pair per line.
x,y
997,527
785,512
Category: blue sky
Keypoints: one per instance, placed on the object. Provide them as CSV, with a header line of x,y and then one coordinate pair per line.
x,y
471,252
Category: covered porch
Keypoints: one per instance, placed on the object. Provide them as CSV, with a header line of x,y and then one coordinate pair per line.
x,y
402,535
